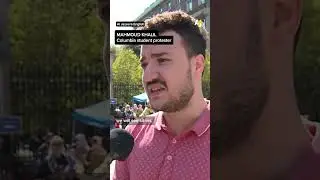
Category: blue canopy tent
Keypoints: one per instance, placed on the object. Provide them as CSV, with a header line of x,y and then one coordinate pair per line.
x,y
96,115
140,99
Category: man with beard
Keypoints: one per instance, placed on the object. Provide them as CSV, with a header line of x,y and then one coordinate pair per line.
x,y
177,144
252,50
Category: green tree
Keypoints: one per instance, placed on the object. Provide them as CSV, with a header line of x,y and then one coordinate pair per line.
x,y
126,71
57,52
206,76
126,68
307,61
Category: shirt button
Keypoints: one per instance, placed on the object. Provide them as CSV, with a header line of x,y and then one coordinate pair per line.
x,y
174,141
169,158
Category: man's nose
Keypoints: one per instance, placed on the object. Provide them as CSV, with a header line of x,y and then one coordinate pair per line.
x,y
150,73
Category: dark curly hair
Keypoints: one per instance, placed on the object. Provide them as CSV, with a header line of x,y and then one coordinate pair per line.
x,y
194,39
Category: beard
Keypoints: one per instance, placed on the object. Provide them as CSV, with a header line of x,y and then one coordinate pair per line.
x,y
240,97
174,104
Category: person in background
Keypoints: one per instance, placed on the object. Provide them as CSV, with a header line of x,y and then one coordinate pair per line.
x,y
128,116
135,107
139,110
117,123
124,107
118,112
121,108
57,165
80,153
117,108
128,112
43,148
96,154
135,110
147,111
104,168
27,162
27,154
117,117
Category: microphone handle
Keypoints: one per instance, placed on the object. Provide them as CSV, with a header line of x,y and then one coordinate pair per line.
x,y
109,159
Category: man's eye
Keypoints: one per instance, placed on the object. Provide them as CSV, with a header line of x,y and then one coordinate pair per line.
x,y
161,60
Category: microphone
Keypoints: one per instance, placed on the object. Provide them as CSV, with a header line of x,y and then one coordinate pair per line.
x,y
121,144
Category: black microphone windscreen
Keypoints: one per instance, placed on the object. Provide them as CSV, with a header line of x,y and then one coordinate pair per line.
x,y
121,144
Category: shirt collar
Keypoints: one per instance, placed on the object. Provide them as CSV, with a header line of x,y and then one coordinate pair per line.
x,y
200,127
159,124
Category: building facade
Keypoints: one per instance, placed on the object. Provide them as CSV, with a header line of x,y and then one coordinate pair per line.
x,y
199,9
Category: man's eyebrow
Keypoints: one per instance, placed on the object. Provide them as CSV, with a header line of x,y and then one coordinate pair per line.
x,y
154,55
158,54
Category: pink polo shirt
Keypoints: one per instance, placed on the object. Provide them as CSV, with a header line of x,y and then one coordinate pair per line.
x,y
157,155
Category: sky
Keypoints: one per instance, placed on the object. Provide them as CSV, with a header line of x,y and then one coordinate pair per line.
x,y
125,10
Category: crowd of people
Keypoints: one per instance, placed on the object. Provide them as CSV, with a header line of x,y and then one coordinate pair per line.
x,y
123,114
50,157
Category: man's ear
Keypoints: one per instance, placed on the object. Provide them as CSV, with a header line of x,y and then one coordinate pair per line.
x,y
199,63
287,15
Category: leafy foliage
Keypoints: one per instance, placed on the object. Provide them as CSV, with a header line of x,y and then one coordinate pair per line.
x,y
126,67
307,61
57,65
126,75
206,77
